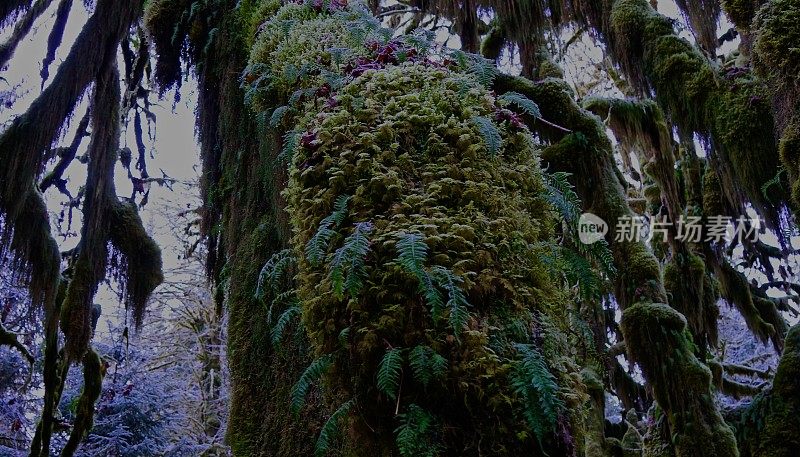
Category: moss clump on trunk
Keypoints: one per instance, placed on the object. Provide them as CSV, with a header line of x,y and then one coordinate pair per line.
x,y
698,428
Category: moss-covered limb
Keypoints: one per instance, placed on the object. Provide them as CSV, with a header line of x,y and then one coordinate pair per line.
x,y
703,17
694,419
93,372
53,384
735,289
775,56
89,265
587,153
167,26
767,427
24,143
65,156
21,29
9,339
732,110
641,129
55,36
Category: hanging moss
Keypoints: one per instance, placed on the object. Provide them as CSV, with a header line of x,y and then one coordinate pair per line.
x,y
694,421
494,42
138,257
741,12
703,17
732,109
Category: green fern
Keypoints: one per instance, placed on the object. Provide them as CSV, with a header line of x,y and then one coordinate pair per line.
x,y
348,268
273,271
457,303
389,372
415,432
562,197
313,373
276,334
317,246
412,253
278,115
291,140
489,133
537,388
331,429
515,98
483,69
426,364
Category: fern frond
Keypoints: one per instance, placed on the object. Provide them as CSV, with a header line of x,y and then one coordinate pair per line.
x,y
579,272
527,105
277,115
389,371
562,197
348,262
537,387
313,373
489,133
276,334
483,69
412,252
273,271
291,140
317,246
413,435
457,303
426,364
331,429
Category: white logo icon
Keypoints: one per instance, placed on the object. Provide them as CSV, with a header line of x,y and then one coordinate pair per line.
x,y
591,228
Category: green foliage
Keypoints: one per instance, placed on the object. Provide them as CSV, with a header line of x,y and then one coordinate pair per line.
x,y
347,263
537,387
276,334
331,429
426,364
482,69
317,246
515,98
278,114
313,373
489,133
389,371
413,436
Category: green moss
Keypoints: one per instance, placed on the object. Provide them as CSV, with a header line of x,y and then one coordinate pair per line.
x,y
494,42
402,142
741,12
775,52
685,281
